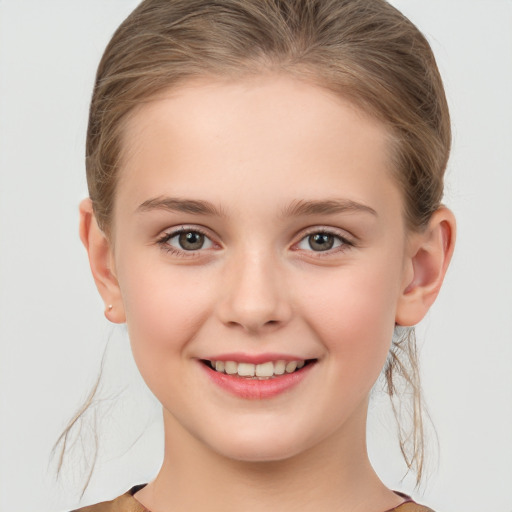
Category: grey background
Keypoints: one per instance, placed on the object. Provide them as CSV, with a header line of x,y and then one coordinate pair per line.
x,y
52,330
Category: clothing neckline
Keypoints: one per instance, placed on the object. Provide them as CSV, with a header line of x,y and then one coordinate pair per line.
x,y
137,488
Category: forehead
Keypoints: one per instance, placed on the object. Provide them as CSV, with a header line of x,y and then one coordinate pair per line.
x,y
273,133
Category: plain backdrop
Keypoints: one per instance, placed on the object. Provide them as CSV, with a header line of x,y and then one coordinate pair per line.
x,y
52,329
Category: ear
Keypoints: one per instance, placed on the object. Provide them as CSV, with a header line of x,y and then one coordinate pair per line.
x,y
429,254
101,260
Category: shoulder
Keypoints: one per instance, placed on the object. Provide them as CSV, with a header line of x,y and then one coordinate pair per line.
x,y
124,503
409,505
412,507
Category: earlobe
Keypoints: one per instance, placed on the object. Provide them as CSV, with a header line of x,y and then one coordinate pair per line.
x,y
101,261
428,260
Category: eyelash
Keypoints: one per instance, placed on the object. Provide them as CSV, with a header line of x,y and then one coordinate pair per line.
x,y
163,242
345,243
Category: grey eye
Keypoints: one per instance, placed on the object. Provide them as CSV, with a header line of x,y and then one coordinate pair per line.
x,y
191,241
321,241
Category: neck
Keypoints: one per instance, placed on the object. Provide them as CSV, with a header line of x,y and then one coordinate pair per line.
x,y
334,475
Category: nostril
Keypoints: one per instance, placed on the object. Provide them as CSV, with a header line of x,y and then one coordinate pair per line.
x,y
255,326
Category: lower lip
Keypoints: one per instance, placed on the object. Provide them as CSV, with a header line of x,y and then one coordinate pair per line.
x,y
254,389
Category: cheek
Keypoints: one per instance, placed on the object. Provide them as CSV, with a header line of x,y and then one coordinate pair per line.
x,y
164,307
355,318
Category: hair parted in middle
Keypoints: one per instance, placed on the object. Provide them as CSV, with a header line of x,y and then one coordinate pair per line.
x,y
365,51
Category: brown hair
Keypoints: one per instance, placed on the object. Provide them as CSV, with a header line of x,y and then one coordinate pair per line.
x,y
363,50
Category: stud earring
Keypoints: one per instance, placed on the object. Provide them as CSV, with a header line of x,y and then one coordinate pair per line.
x,y
108,312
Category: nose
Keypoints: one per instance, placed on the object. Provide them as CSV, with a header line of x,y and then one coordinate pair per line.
x,y
254,297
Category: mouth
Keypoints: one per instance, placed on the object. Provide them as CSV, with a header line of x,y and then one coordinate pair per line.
x,y
263,371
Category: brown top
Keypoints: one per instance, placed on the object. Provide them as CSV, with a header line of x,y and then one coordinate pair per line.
x,y
127,503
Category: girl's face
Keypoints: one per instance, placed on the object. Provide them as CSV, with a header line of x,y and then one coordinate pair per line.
x,y
257,225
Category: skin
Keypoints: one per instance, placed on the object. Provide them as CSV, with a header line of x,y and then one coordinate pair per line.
x,y
253,150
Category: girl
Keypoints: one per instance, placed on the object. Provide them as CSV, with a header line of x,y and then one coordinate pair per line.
x,y
265,215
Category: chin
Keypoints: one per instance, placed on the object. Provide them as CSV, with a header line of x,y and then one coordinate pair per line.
x,y
259,445
244,453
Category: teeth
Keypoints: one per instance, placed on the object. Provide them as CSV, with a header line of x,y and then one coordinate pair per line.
x,y
265,369
279,367
258,371
230,367
246,369
291,366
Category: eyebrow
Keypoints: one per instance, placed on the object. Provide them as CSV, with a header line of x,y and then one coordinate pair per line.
x,y
295,209
325,207
175,204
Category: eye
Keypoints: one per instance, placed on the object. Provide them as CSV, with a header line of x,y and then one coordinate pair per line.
x,y
322,241
186,240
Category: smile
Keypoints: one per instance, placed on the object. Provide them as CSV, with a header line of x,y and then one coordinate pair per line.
x,y
262,371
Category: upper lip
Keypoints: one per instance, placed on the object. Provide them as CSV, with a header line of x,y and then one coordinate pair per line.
x,y
255,358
